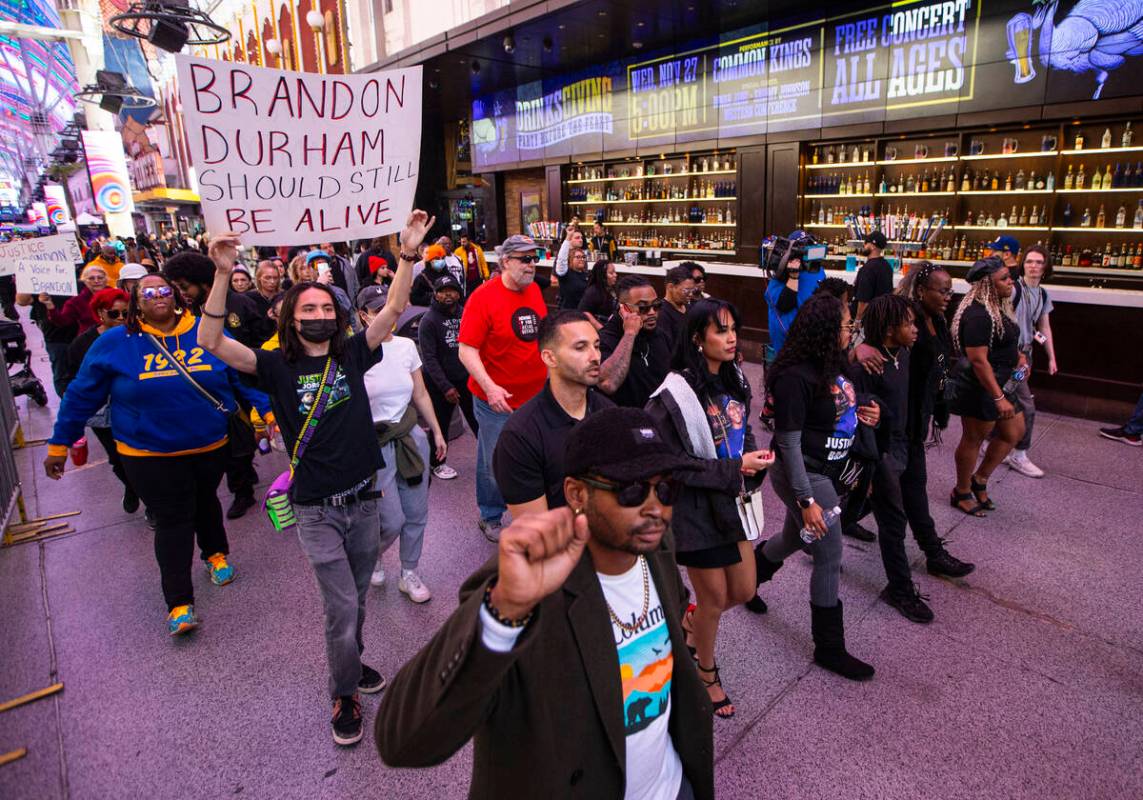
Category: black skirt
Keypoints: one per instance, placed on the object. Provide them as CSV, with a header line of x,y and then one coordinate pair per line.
x,y
722,555
972,400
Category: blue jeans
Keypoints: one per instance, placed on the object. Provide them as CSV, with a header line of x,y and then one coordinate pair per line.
x,y
488,497
404,508
341,546
1134,425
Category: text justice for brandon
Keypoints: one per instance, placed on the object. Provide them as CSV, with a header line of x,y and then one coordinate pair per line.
x,y
293,146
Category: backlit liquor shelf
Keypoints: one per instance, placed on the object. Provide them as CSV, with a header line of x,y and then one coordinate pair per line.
x,y
1076,189
685,204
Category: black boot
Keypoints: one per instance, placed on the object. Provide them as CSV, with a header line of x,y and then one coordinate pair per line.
x,y
943,563
829,645
764,570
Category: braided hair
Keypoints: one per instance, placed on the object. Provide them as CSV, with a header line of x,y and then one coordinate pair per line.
x,y
884,314
983,291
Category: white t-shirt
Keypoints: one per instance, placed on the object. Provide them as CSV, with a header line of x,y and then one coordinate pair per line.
x,y
389,383
646,667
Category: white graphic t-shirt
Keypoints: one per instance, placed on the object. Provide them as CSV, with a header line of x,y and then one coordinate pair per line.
x,y
646,664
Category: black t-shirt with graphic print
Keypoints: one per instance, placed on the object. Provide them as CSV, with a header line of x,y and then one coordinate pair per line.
x,y
343,450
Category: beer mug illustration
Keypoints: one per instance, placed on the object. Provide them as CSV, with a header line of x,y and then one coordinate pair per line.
x,y
1020,47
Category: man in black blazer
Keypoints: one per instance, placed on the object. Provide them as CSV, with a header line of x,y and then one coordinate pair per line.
x,y
568,668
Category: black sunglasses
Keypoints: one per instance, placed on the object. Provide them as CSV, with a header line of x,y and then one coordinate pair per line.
x,y
646,308
632,495
526,259
114,313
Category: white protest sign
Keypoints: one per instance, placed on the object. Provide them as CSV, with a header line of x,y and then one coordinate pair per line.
x,y
287,158
53,277
61,252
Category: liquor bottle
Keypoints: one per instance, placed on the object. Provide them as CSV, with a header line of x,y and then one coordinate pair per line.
x,y
1107,178
1034,219
900,184
1085,220
961,248
1003,221
829,155
1100,218
1069,178
1117,177
882,188
968,220
1105,259
1137,257
925,186
1050,183
1022,220
1128,136
1081,179
965,183
995,181
856,157
1067,218
1097,181
1079,141
1121,216
1106,141
1038,183
910,184
1138,223
991,220
1020,185
1008,182
950,184
866,187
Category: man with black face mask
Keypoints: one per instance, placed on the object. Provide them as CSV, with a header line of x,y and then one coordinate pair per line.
x,y
445,377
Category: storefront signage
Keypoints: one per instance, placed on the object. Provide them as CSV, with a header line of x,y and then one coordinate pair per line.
x,y
287,158
912,55
578,108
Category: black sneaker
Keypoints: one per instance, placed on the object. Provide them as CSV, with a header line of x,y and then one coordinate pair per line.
x,y
371,681
910,603
1120,434
240,506
130,501
943,563
346,722
859,532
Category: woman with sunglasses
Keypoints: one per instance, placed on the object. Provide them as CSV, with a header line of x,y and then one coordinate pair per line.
x,y
171,440
815,422
702,409
984,329
110,308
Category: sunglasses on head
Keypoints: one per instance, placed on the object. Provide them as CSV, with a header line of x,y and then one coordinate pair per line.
x,y
632,495
646,308
156,292
114,313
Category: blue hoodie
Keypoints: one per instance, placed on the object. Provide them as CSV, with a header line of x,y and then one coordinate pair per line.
x,y
154,409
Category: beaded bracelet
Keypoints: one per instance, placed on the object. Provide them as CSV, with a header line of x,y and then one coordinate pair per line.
x,y
508,623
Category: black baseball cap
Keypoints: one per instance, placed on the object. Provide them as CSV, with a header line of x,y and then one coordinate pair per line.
x,y
372,297
877,239
448,281
622,445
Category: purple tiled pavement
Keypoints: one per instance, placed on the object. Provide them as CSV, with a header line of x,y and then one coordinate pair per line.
x,y
1029,684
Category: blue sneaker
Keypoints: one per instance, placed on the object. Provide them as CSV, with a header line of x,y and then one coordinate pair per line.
x,y
221,573
181,620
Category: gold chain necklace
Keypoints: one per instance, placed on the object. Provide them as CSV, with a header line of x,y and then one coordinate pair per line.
x,y
635,626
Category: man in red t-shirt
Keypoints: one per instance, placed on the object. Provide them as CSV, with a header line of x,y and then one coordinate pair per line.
x,y
498,334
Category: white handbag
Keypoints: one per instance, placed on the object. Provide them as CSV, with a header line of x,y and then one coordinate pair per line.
x,y
751,514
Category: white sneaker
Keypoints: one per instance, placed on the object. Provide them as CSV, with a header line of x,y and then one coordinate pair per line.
x,y
445,472
378,576
1019,461
411,585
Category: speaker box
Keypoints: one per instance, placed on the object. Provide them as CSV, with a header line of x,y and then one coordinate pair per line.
x,y
168,35
111,103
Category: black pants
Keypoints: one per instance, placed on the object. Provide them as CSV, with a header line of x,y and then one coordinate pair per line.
x,y
113,457
241,477
443,409
181,493
915,495
889,511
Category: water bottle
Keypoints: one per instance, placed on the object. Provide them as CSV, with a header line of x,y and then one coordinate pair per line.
x,y
1014,381
828,516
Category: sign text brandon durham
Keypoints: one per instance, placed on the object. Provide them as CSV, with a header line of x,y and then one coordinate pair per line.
x,y
926,45
289,153
578,108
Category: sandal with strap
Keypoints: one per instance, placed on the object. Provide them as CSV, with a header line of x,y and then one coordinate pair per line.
x,y
688,629
977,490
724,702
956,498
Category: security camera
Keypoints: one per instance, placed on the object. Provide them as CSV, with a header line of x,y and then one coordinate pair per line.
x,y
509,44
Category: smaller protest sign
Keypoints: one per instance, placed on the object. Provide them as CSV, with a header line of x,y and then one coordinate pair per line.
x,y
52,277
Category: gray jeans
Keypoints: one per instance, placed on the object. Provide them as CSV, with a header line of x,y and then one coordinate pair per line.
x,y
826,551
1027,401
341,545
404,508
